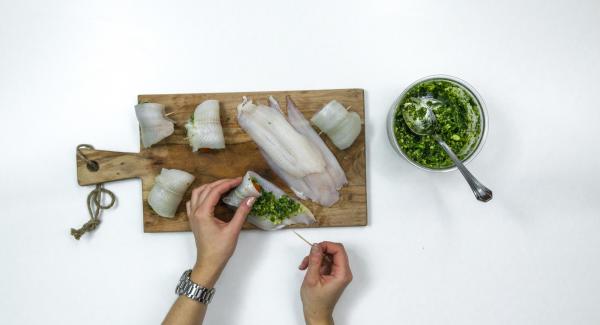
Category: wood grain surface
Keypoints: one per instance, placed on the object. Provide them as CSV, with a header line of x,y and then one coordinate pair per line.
x,y
241,154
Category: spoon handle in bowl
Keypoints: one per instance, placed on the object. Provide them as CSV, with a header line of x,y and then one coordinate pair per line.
x,y
481,192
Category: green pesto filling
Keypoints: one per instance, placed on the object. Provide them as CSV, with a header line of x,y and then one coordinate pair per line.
x,y
273,209
458,122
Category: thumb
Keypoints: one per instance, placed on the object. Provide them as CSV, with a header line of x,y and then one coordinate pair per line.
x,y
315,259
241,213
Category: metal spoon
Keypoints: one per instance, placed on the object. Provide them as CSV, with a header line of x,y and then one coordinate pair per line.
x,y
427,125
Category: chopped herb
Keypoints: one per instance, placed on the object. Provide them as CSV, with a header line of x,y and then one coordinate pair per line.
x,y
273,209
458,122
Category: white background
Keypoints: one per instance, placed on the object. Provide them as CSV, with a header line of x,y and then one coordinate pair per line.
x,y
70,72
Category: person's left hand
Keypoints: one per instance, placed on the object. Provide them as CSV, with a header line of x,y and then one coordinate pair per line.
x,y
327,275
215,239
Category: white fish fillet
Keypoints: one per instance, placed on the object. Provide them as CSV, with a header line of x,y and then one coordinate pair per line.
x,y
290,150
154,126
297,185
344,134
341,126
329,116
247,189
204,129
300,123
168,190
320,187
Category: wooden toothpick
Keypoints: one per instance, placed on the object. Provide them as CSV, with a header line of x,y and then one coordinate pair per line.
x,y
327,257
304,239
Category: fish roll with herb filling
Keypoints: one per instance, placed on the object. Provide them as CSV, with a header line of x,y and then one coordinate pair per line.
x,y
204,130
273,209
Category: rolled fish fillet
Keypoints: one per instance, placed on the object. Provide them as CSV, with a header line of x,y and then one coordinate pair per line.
x,y
290,150
320,187
168,190
154,126
341,126
346,132
204,127
273,209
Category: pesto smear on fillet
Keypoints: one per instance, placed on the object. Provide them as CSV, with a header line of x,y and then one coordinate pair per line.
x,y
458,122
274,209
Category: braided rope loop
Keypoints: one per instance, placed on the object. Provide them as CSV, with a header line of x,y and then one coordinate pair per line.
x,y
95,203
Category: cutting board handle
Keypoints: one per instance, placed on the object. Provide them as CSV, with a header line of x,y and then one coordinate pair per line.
x,y
109,166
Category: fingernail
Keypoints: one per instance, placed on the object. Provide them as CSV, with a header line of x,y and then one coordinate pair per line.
x,y
250,201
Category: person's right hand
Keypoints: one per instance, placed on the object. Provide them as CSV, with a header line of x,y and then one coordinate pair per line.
x,y
328,273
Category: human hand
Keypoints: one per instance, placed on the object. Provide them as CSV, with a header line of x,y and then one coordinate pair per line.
x,y
328,273
215,239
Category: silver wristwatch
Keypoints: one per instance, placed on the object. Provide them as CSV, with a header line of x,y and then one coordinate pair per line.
x,y
192,290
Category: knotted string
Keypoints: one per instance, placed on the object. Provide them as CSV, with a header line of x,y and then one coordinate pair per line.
x,y
92,165
94,199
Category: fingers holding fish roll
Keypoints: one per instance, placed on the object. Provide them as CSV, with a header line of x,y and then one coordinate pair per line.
x,y
272,209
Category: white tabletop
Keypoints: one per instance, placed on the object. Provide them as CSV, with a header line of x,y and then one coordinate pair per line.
x,y
431,254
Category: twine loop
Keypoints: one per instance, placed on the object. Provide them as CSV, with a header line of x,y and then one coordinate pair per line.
x,y
92,165
95,203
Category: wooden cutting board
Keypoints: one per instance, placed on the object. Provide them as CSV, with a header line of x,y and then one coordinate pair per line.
x,y
241,154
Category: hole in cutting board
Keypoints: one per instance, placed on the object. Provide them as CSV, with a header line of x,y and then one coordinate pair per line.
x,y
93,166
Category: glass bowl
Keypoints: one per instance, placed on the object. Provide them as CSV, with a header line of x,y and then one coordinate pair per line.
x,y
482,112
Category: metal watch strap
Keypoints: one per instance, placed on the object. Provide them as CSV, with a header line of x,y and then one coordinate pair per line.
x,y
193,290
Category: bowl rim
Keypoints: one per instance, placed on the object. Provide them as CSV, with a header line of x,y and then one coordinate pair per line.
x,y
482,111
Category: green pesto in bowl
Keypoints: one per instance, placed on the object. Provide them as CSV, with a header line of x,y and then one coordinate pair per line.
x,y
459,124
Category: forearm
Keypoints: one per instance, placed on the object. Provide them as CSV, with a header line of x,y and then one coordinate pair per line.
x,y
215,244
187,311
318,317
328,320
